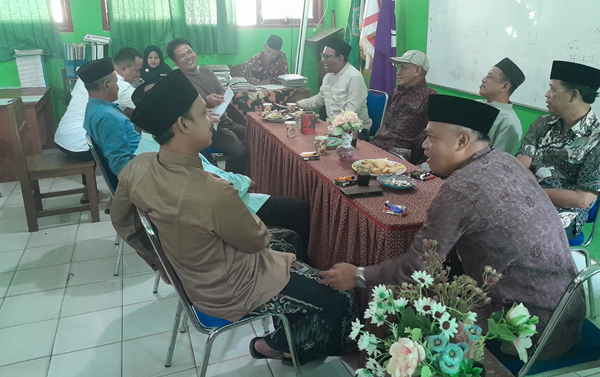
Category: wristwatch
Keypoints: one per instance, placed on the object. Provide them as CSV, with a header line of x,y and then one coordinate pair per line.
x,y
359,278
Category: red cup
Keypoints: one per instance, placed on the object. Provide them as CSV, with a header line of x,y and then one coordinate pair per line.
x,y
309,122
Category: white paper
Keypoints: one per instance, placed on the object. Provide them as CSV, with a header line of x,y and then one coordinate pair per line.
x,y
220,109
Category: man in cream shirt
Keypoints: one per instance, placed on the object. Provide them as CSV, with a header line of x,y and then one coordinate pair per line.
x,y
343,86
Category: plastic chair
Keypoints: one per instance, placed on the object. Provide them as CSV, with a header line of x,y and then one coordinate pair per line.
x,y
587,350
210,326
376,106
579,244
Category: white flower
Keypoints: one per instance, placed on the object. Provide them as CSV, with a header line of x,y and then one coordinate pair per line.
x,y
378,318
517,315
362,372
380,293
400,303
356,327
423,305
527,330
521,344
389,306
368,342
368,313
373,309
438,310
471,318
375,367
448,326
422,278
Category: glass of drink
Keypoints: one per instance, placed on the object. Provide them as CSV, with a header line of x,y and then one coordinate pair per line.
x,y
364,174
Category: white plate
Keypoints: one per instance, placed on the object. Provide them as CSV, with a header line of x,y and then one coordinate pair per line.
x,y
400,171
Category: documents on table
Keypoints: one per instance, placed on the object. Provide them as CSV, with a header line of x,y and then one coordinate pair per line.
x,y
220,109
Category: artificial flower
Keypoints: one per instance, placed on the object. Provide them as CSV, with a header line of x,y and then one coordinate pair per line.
x,y
521,344
452,354
381,293
400,303
406,355
474,332
437,310
528,330
449,368
463,346
471,317
368,342
378,318
362,372
375,367
517,315
437,343
424,305
422,278
448,326
356,327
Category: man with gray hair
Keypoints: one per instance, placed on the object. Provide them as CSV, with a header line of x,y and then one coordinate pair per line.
x,y
406,116
492,212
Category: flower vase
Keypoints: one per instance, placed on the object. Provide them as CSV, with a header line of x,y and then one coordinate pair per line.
x,y
346,151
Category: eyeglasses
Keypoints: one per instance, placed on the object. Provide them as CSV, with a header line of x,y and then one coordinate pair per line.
x,y
325,56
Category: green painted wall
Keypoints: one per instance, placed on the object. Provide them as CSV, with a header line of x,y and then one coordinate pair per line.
x,y
87,19
411,21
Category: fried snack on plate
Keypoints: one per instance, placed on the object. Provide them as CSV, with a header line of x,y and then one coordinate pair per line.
x,y
382,166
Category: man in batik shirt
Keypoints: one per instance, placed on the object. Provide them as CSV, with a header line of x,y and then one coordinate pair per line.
x,y
562,149
266,66
492,212
406,117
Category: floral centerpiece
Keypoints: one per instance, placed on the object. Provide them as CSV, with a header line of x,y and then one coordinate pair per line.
x,y
348,124
432,325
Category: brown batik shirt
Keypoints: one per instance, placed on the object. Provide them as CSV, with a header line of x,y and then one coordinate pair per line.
x,y
257,69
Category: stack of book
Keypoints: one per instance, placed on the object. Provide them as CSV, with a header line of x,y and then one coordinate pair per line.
x,y
221,71
31,68
292,80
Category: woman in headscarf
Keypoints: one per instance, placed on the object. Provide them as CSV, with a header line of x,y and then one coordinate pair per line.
x,y
154,64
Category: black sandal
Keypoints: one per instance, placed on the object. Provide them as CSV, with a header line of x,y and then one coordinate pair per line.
x,y
257,355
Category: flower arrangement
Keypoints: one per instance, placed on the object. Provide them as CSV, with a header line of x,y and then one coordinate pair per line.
x,y
347,121
433,330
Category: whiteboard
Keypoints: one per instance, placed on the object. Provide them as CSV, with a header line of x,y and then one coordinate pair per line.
x,y
465,38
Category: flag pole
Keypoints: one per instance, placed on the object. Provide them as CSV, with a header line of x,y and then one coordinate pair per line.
x,y
302,38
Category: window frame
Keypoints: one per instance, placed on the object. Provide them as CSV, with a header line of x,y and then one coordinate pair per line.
x,y
105,15
67,25
313,19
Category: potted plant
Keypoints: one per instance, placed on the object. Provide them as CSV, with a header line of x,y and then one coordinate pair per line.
x,y
432,327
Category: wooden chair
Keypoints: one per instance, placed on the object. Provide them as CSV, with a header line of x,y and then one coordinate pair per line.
x,y
31,168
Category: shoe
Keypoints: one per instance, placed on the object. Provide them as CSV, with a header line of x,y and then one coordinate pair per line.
x,y
84,201
257,355
107,211
302,359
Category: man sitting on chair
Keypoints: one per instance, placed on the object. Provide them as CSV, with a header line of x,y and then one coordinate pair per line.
x,y
562,150
220,251
402,131
108,127
266,66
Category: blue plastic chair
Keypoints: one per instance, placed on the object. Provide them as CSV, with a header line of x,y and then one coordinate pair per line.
x,y
587,350
210,326
579,244
376,106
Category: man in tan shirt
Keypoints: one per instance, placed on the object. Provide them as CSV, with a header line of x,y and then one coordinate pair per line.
x,y
219,250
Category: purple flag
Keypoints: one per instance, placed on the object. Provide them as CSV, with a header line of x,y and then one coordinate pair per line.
x,y
383,76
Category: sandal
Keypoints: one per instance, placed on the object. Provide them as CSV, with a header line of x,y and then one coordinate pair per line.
x,y
257,355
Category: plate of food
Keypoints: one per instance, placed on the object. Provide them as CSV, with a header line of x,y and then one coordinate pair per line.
x,y
381,166
397,182
276,116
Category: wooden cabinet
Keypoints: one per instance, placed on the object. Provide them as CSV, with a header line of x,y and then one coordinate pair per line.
x,y
40,120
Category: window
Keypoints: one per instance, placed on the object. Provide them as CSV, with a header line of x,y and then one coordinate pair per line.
x,y
61,13
105,16
274,13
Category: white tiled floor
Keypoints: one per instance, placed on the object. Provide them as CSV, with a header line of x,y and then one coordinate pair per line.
x,y
63,313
